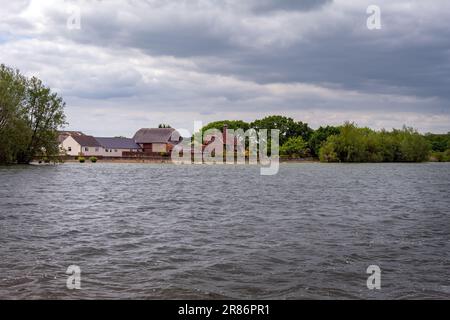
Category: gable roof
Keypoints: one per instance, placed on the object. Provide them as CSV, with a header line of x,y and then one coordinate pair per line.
x,y
117,143
62,135
154,135
86,141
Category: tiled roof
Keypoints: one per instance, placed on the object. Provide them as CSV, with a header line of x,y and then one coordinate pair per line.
x,y
154,135
86,141
117,143
62,135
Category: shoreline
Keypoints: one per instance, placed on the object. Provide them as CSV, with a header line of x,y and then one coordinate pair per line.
x,y
168,161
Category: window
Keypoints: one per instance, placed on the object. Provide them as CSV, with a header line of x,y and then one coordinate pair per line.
x,y
96,149
69,149
106,150
86,149
115,150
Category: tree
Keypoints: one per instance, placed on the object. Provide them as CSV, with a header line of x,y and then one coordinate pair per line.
x,y
438,142
295,147
13,130
355,144
327,152
231,124
30,115
163,125
287,126
413,147
319,137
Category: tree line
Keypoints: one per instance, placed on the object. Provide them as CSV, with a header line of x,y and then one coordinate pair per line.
x,y
30,115
348,142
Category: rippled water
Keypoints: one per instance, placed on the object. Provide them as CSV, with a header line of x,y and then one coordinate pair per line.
x,y
166,231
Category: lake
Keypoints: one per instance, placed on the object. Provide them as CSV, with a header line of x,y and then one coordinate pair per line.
x,y
150,231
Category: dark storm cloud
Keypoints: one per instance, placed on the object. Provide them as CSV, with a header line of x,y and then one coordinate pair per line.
x,y
261,6
337,53
240,56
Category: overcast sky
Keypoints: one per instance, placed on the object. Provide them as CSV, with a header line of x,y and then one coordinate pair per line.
x,y
139,63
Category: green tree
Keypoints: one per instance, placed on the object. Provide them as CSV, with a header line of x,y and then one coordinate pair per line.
x,y
355,144
287,126
232,125
319,137
413,147
327,152
30,115
295,147
438,142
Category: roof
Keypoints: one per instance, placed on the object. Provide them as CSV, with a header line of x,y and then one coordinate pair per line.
x,y
154,135
117,143
62,135
86,141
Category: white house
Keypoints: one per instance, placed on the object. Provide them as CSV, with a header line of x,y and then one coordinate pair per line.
x,y
82,145
89,146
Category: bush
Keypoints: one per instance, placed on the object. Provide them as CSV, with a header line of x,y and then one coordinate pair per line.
x,y
294,147
441,156
81,159
93,159
355,144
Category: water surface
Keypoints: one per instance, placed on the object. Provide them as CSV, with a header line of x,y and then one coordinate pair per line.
x,y
212,232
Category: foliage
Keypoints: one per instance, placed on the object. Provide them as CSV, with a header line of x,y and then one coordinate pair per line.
x,y
438,142
81,159
441,156
355,144
319,137
163,125
93,159
30,115
294,147
232,125
287,126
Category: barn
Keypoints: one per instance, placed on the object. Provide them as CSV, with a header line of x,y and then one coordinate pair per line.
x,y
157,140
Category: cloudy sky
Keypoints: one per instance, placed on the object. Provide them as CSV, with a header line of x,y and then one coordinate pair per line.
x,y
138,63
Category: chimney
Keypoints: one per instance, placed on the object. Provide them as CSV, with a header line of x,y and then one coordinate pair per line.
x,y
224,133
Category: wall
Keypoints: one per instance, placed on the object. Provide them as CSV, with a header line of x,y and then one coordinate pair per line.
x,y
159,147
69,142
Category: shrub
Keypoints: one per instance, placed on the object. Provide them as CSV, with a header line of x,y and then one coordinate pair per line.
x,y
355,144
93,159
294,147
81,159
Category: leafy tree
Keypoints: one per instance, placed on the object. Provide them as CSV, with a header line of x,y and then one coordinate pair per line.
x,y
413,147
232,125
319,137
327,152
355,144
30,115
163,125
287,126
295,147
438,142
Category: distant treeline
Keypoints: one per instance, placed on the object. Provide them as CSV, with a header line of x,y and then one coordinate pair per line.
x,y
348,142
30,115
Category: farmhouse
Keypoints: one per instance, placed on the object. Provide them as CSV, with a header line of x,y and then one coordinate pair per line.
x,y
75,145
157,140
